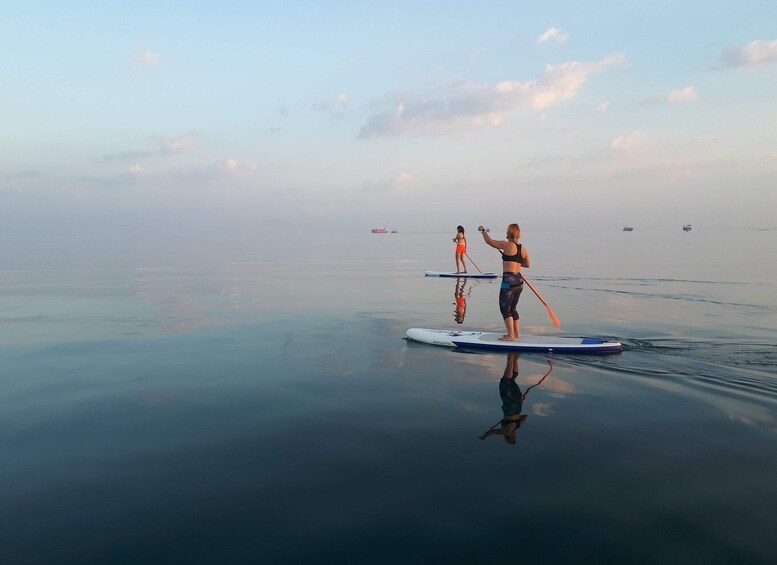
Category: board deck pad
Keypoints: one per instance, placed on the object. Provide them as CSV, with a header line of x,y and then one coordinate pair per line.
x,y
461,275
490,341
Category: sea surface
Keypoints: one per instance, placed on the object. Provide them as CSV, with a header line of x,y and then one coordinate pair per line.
x,y
259,403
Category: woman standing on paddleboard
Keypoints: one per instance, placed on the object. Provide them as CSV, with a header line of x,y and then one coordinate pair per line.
x,y
514,256
461,249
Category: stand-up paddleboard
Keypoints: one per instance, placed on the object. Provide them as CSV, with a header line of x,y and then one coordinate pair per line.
x,y
490,340
461,275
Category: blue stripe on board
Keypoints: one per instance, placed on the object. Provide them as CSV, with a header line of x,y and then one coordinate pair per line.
x,y
543,348
452,276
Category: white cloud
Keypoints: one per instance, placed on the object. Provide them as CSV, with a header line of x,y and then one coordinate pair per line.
x,y
182,144
754,54
232,165
403,179
470,105
166,146
682,96
603,108
130,155
332,103
404,182
627,142
553,34
685,95
137,170
229,165
144,58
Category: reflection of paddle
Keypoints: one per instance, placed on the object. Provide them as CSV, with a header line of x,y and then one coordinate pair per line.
x,y
538,383
553,317
485,435
476,265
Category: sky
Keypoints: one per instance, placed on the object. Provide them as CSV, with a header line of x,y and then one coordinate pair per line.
x,y
161,118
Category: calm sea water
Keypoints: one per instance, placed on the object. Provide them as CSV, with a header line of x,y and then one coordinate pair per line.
x,y
231,404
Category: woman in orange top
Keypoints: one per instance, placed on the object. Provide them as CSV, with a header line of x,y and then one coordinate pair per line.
x,y
461,249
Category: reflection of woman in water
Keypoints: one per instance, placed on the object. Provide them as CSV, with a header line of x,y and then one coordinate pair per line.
x,y
512,400
460,300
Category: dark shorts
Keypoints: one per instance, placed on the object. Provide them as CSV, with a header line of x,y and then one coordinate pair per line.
x,y
509,293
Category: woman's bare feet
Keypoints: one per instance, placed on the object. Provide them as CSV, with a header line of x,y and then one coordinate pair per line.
x,y
507,338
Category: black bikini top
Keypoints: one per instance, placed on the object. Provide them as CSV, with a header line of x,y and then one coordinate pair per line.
x,y
514,258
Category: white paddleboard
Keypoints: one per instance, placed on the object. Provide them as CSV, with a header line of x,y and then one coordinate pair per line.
x,y
490,340
461,275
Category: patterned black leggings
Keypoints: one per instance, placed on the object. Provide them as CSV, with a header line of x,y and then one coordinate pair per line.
x,y
509,293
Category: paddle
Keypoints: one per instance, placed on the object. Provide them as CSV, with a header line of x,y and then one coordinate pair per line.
x,y
476,265
553,317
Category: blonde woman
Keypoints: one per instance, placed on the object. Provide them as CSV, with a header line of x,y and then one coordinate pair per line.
x,y
514,257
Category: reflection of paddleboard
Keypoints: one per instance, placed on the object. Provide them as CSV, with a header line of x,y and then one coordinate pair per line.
x,y
489,340
461,275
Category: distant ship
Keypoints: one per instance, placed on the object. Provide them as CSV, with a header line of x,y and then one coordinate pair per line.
x,y
628,228
394,231
380,230
687,227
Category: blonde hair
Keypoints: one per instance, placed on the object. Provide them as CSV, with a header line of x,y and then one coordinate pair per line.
x,y
513,231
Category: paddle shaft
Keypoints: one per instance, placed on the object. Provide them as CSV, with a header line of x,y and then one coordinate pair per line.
x,y
553,317
476,265
491,428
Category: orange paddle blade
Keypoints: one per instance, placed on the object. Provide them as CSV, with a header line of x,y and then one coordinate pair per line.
x,y
553,317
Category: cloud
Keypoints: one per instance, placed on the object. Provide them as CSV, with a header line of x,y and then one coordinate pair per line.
x,y
228,165
130,155
332,103
755,54
469,105
144,58
166,146
685,95
232,165
404,178
553,34
682,96
627,142
182,144
603,108
136,170
403,182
